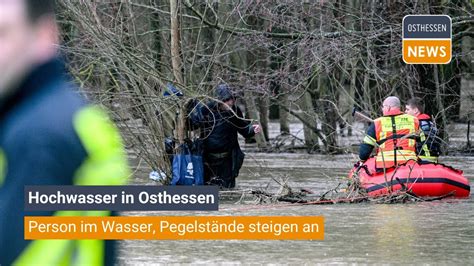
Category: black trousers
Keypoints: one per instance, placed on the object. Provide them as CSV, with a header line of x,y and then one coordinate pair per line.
x,y
218,171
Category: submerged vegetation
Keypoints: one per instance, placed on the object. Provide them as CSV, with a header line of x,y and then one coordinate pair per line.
x,y
346,192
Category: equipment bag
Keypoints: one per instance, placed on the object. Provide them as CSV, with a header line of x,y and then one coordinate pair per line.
x,y
188,168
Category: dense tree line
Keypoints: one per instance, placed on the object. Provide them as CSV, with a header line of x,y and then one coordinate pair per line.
x,y
313,60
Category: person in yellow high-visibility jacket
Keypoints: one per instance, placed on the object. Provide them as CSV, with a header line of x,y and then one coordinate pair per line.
x,y
393,134
49,135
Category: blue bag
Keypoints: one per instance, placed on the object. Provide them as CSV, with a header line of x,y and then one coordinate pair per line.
x,y
188,168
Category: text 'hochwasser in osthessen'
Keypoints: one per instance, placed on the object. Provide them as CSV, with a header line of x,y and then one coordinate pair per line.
x,y
120,198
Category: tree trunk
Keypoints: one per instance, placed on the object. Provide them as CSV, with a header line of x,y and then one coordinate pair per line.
x,y
310,138
253,114
328,114
284,122
176,64
244,59
439,102
176,61
263,104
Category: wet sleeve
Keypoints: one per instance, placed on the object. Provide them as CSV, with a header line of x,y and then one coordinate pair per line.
x,y
244,126
196,113
368,143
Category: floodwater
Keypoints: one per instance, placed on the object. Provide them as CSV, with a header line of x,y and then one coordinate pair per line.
x,y
431,232
440,232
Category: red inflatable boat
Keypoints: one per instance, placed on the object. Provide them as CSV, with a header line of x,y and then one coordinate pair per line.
x,y
423,180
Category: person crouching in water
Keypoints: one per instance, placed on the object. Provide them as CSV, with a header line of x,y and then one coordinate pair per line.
x,y
220,121
428,149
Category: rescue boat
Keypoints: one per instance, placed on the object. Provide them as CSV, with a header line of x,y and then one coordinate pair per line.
x,y
420,179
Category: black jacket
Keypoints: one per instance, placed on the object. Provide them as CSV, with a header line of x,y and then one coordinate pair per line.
x,y
219,128
366,149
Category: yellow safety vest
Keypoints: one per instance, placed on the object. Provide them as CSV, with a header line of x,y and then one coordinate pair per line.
x,y
394,147
106,165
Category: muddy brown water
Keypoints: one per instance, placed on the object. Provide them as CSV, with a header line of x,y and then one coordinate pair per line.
x,y
430,232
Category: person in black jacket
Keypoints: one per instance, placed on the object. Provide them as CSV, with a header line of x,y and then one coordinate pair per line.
x,y
220,121
429,146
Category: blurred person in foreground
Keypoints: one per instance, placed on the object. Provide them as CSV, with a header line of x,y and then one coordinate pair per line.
x,y
49,135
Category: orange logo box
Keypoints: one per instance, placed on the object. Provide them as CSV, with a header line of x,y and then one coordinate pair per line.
x,y
427,51
175,227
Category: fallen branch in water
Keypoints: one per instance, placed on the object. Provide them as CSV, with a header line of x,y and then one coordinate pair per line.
x,y
284,194
352,193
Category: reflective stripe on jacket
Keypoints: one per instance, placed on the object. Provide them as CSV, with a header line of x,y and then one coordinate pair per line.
x,y
49,135
395,146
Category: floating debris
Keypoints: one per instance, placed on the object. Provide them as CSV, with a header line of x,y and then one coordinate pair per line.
x,y
351,192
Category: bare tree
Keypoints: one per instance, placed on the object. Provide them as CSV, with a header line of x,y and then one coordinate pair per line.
x,y
313,60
